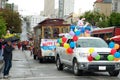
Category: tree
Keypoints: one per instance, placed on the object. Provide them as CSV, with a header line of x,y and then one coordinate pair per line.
x,y
12,19
96,19
114,19
2,26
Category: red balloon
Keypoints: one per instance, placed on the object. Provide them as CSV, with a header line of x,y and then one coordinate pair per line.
x,y
70,50
64,39
90,58
75,38
113,51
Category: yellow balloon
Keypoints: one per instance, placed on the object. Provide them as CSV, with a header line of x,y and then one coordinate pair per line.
x,y
116,46
91,50
66,45
57,44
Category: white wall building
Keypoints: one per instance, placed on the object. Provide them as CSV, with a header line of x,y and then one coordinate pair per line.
x,y
66,7
49,8
34,20
116,6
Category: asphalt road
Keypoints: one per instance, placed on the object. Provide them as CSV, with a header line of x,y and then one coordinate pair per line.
x,y
25,68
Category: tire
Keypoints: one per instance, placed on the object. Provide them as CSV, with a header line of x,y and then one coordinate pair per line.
x,y
76,70
114,73
35,57
41,60
58,64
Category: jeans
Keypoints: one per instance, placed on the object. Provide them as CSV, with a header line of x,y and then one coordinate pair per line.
x,y
8,65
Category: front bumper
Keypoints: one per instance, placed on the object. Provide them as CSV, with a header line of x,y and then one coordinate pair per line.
x,y
99,66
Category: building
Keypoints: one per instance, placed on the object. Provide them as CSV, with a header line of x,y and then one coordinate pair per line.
x,y
49,8
116,5
3,4
33,20
66,7
103,6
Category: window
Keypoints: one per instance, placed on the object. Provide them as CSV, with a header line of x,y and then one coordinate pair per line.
x,y
55,32
47,33
64,30
98,43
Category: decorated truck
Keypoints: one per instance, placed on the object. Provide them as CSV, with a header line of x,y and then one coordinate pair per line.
x,y
81,52
45,38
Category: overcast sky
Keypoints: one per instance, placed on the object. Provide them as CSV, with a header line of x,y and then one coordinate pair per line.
x,y
32,7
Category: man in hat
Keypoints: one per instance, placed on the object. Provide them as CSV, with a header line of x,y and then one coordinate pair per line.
x,y
7,58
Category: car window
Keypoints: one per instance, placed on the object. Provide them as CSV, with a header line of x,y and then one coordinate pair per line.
x,y
91,43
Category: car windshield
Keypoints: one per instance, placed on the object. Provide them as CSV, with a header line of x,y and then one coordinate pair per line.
x,y
99,43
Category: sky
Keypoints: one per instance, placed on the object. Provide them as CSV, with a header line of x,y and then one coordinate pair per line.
x,y
33,7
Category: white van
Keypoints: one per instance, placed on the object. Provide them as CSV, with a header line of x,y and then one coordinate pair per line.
x,y
79,62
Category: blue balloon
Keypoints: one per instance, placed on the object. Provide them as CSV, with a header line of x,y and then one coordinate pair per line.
x,y
57,40
111,44
82,29
117,55
72,44
72,27
77,33
88,28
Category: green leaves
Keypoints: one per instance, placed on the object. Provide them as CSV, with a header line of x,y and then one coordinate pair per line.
x,y
12,19
100,20
2,26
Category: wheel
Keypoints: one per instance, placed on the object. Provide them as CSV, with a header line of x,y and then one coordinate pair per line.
x,y
41,60
34,56
58,64
76,70
114,73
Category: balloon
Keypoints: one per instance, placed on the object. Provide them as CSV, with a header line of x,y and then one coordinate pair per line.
x,y
97,57
70,50
87,31
117,55
72,27
72,44
88,28
66,45
82,29
113,51
116,59
71,33
90,58
111,44
77,33
75,29
75,38
94,54
116,46
58,44
110,57
91,50
64,39
60,40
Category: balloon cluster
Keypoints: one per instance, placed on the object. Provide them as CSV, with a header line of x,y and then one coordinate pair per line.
x,y
93,55
75,31
114,54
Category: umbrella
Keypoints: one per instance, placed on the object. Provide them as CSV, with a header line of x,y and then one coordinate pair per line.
x,y
116,38
12,39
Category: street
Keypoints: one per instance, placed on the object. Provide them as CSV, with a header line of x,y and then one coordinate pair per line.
x,y
25,68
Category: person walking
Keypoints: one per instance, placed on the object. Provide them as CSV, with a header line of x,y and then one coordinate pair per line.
x,y
7,57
